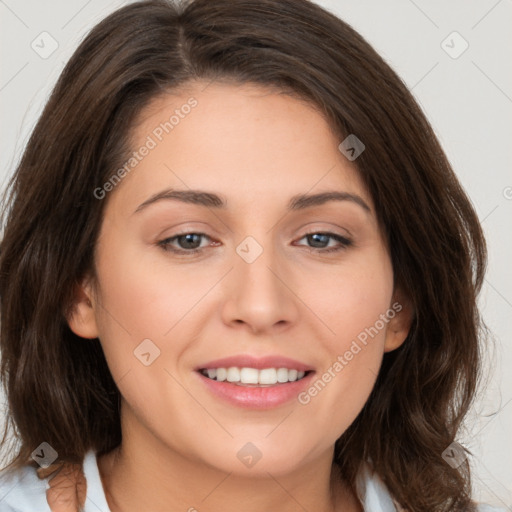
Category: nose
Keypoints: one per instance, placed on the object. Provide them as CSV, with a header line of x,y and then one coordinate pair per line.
x,y
259,294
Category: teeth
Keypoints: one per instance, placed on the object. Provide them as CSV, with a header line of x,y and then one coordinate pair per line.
x,y
265,377
233,375
268,376
249,376
282,375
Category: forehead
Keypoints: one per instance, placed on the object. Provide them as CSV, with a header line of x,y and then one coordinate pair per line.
x,y
245,141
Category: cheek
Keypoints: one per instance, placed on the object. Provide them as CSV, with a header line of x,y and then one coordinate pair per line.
x,y
141,298
357,312
141,319
351,298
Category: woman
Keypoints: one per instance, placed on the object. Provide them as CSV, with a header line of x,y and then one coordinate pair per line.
x,y
237,271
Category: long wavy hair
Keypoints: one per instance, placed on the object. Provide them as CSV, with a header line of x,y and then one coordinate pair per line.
x,y
59,387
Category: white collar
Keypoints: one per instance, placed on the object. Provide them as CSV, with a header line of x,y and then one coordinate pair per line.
x,y
373,493
95,497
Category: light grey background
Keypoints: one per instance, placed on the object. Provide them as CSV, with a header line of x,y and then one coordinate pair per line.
x,y
467,95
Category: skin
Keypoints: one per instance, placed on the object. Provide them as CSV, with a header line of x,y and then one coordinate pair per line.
x,y
68,487
257,148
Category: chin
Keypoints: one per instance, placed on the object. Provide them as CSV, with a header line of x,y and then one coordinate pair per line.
x,y
257,458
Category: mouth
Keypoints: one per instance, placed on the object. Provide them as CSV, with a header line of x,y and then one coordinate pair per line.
x,y
254,377
249,382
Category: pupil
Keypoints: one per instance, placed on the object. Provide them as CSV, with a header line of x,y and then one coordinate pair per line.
x,y
315,239
190,239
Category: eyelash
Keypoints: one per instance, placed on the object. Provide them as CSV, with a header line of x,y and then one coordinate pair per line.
x,y
344,243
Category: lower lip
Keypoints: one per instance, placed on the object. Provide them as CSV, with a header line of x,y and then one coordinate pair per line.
x,y
254,397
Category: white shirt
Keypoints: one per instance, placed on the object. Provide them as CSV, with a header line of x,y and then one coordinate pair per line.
x,y
25,492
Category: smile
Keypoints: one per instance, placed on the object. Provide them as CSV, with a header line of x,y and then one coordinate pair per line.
x,y
253,376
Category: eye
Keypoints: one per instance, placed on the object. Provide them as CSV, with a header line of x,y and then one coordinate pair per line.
x,y
187,243
320,242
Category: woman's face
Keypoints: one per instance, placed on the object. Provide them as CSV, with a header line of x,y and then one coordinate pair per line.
x,y
266,278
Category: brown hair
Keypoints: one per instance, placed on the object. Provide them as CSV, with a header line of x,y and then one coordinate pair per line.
x,y
59,387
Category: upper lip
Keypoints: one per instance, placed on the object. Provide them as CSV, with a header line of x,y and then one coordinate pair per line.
x,y
248,361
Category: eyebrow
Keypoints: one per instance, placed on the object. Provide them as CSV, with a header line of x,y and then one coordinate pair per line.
x,y
211,200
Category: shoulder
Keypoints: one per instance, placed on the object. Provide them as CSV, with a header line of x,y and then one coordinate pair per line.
x,y
22,491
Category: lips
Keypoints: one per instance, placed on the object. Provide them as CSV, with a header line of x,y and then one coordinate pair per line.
x,y
255,382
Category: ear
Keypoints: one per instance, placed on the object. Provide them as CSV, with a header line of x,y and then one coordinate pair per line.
x,y
81,316
400,324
